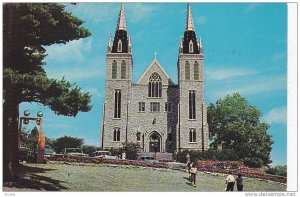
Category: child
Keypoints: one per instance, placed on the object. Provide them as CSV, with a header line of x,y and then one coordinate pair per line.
x,y
193,174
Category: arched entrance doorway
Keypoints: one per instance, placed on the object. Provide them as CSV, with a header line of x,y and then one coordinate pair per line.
x,y
154,142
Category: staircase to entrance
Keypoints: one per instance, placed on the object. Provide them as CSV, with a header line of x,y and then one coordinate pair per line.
x,y
158,155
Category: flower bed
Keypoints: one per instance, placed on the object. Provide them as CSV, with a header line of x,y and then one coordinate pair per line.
x,y
259,173
110,161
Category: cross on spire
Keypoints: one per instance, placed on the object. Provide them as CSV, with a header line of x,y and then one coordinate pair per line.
x,y
155,53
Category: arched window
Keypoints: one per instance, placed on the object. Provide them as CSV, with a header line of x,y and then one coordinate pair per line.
x,y
154,86
120,46
191,47
192,105
116,135
192,135
117,111
196,71
123,70
138,136
187,70
114,70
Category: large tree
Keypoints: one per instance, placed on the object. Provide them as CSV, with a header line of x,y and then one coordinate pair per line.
x,y
235,124
27,28
66,142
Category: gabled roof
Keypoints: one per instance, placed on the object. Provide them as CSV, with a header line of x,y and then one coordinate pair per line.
x,y
151,68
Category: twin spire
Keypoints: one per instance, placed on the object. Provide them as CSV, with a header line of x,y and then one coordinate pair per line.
x,y
189,26
122,43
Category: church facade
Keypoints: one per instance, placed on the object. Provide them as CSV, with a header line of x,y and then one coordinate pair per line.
x,y
154,112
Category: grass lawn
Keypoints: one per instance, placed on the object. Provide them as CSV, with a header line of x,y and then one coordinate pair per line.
x,y
100,177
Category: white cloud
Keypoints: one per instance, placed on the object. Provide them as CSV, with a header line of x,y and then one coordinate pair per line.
x,y
81,72
251,7
259,86
139,12
276,115
72,50
221,74
202,20
97,92
95,12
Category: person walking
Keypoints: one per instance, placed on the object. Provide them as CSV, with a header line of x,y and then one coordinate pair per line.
x,y
193,174
189,166
230,182
239,182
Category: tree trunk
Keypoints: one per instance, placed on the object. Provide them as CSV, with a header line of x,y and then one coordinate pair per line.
x,y
10,137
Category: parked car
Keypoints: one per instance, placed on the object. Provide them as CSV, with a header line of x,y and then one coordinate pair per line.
x,y
76,152
48,151
148,159
26,155
103,154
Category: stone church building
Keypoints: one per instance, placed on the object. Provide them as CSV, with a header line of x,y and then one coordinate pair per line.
x,y
154,112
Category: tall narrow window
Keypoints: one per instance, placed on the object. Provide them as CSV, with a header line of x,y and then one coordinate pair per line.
x,y
123,70
192,105
114,70
191,47
154,86
192,135
141,106
117,111
119,46
196,71
187,70
116,135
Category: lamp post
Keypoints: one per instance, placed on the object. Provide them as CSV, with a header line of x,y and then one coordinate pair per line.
x,y
41,140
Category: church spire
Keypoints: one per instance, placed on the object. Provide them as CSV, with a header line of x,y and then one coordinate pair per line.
x,y
121,20
189,26
189,44
121,43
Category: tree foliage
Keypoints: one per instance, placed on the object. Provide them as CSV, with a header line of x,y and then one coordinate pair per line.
x,y
67,142
88,149
27,29
208,154
280,170
235,124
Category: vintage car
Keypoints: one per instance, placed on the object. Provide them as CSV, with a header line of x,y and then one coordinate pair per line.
x,y
103,154
148,159
75,152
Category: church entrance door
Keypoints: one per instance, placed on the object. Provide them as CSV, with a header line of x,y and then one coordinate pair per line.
x,y
154,143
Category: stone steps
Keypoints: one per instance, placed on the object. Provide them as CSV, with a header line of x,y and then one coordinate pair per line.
x,y
158,155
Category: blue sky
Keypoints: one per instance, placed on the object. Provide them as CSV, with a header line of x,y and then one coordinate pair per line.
x,y
245,47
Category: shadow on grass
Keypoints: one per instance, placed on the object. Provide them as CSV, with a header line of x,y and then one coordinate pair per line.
x,y
189,183
30,180
186,178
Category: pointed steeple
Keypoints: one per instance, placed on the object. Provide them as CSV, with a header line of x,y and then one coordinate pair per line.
x,y
189,26
190,45
121,20
121,42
